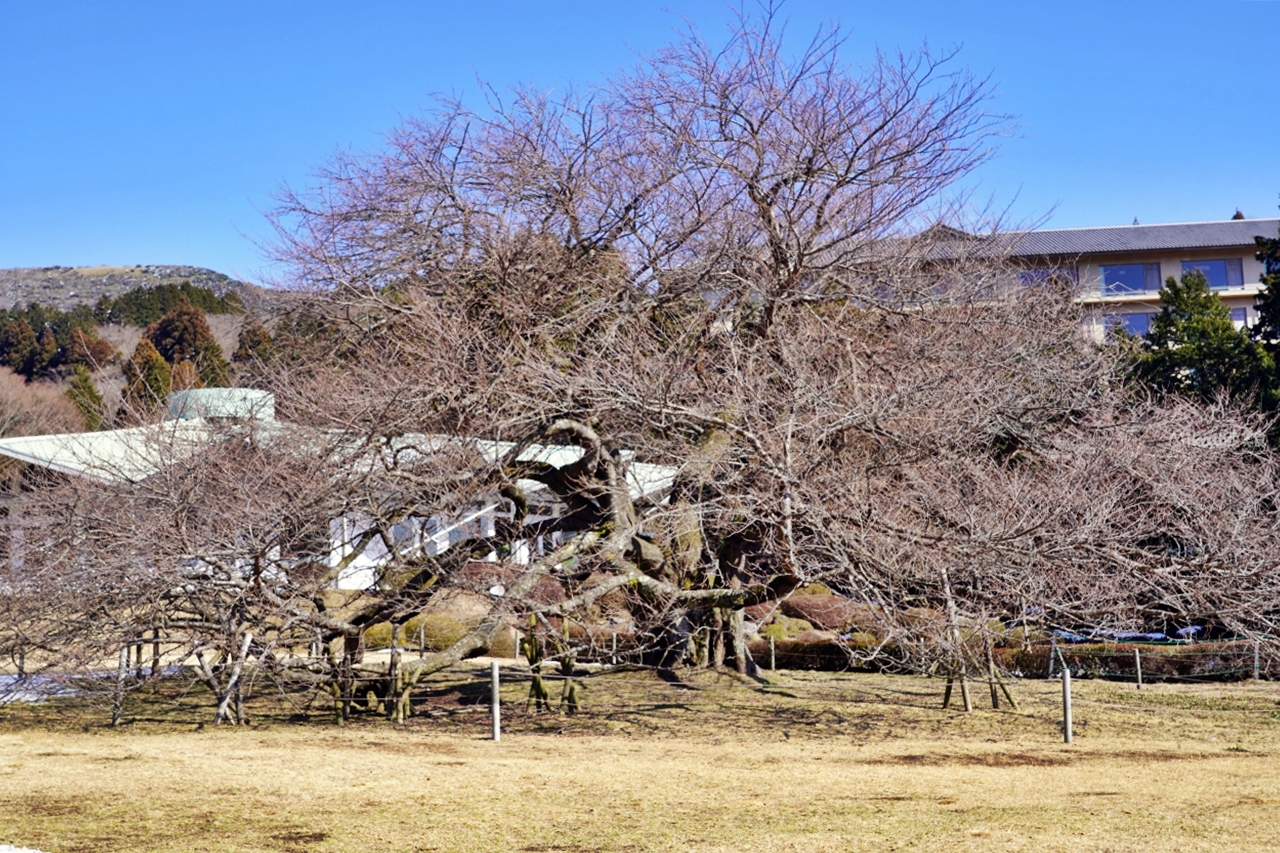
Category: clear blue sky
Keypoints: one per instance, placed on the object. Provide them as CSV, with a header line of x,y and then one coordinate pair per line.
x,y
155,132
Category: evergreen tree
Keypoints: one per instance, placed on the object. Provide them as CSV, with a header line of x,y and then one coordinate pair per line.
x,y
84,393
18,346
1267,329
148,380
253,344
88,349
46,354
179,333
1194,349
211,367
183,377
183,335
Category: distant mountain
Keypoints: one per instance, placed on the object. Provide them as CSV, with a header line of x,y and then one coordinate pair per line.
x,y
66,287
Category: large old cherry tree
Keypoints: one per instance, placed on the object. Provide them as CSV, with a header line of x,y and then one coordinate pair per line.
x,y
714,272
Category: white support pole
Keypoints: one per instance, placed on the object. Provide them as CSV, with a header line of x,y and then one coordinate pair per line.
x,y
613,652
1066,704
497,702
1137,666
773,656
122,671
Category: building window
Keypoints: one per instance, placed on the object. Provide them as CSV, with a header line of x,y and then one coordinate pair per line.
x,y
1240,316
1130,278
1222,274
1041,276
1136,325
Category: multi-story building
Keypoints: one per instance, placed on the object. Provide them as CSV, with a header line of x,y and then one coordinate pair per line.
x,y
1120,269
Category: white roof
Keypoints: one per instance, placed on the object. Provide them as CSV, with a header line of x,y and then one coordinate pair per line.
x,y
134,454
116,456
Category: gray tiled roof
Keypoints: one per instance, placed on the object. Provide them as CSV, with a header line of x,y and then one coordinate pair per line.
x,y
1140,238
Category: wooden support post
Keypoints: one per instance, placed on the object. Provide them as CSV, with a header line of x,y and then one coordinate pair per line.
x,y
422,639
946,694
1004,688
1137,666
991,676
1053,652
773,655
155,652
496,701
122,672
339,708
613,649
393,676
1066,704
1257,659
964,690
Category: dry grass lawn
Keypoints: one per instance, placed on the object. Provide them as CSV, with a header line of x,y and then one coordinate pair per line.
x,y
814,762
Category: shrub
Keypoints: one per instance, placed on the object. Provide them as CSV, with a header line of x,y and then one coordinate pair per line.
x,y
439,631
785,627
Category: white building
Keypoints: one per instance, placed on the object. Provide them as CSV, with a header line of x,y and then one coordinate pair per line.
x,y
200,417
1120,269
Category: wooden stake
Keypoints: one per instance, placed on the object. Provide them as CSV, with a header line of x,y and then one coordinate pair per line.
x,y
1257,659
613,650
964,690
946,694
773,655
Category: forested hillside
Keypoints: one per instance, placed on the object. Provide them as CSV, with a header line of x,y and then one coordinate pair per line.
x,y
66,287
70,333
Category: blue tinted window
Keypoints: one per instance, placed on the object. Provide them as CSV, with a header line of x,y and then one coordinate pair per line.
x,y
1137,325
1044,275
1130,278
1214,271
1222,274
1240,315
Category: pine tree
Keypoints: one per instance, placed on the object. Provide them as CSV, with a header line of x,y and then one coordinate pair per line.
x,y
84,393
1195,350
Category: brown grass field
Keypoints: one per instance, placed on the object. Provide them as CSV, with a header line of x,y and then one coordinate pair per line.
x,y
810,762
